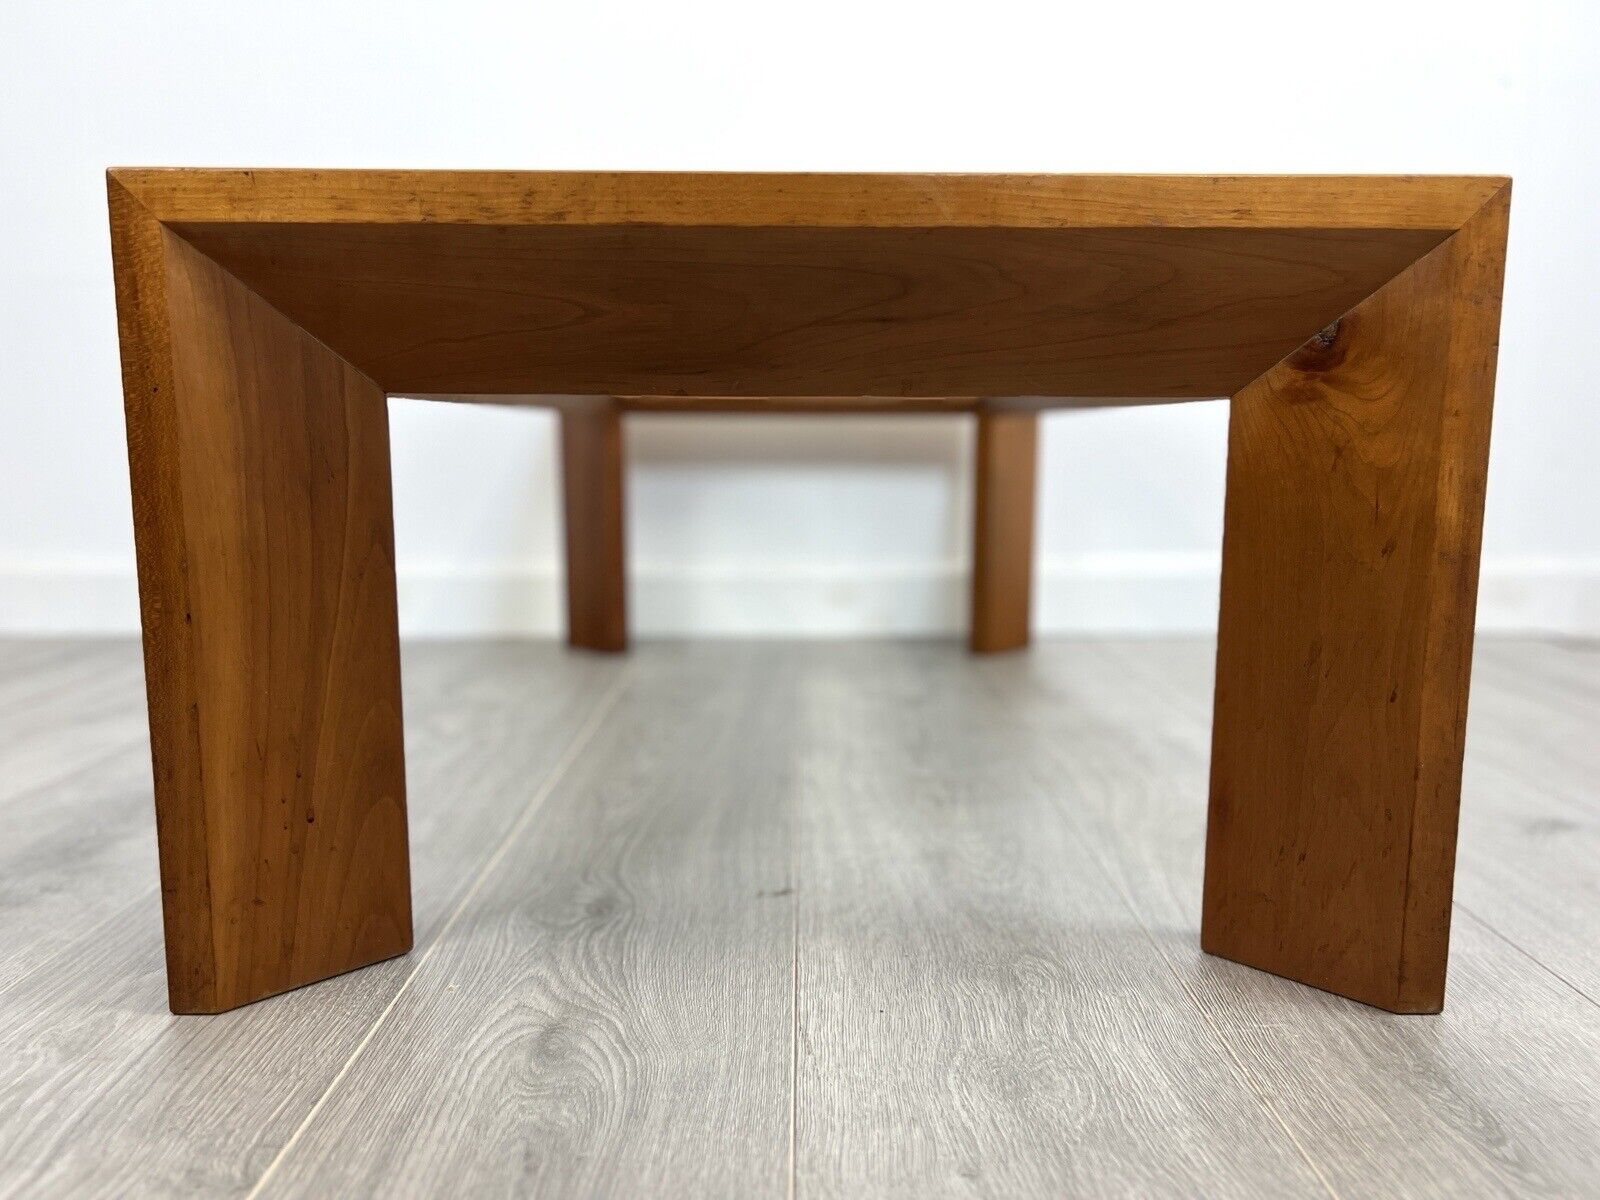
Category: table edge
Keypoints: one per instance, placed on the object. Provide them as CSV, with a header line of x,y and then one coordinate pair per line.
x,y
717,199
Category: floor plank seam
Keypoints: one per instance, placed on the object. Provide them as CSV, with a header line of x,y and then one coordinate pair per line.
x,y
579,743
1102,743
1233,1059
1529,955
149,902
794,994
78,770
1238,1065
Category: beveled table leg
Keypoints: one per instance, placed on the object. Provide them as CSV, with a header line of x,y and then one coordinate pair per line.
x,y
260,469
1002,534
1355,501
592,469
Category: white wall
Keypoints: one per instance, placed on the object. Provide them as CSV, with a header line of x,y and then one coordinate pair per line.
x,y
823,525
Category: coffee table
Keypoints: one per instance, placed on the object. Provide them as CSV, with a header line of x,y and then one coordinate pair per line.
x,y
265,316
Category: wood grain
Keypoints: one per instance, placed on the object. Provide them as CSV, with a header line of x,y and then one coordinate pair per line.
x,y
1527,872
593,483
1355,501
263,316
801,311
980,1014
1528,869
833,405
260,467
1434,202
613,1016
1495,1097
48,684
816,405
1002,537
104,1093
1092,759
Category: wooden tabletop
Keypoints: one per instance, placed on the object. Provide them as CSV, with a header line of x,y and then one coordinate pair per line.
x,y
1437,202
1062,288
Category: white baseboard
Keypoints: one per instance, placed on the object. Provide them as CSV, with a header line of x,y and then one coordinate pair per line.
x,y
1133,593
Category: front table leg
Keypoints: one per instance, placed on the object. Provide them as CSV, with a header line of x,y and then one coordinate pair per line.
x,y
1349,580
260,470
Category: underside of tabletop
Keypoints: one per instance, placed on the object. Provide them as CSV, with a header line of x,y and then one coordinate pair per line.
x,y
1048,289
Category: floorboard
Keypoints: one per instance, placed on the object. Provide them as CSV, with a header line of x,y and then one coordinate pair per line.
x,y
108,1094
62,704
980,1012
611,1015
1496,1096
815,919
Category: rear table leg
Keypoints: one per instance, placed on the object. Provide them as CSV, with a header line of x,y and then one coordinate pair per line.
x,y
592,468
1002,539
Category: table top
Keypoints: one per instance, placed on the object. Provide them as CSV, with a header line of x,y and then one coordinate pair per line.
x,y
1439,202
1058,287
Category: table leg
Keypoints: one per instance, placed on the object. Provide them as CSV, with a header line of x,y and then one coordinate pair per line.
x,y
1349,579
1002,539
592,469
260,471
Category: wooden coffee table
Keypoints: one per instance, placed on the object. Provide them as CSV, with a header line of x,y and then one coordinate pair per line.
x,y
265,316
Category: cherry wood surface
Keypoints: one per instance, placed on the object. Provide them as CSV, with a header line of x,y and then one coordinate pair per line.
x,y
801,310
594,515
264,316
1441,203
1002,530
745,285
1350,566
260,465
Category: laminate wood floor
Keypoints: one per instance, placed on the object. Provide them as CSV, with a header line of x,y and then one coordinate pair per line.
x,y
757,919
